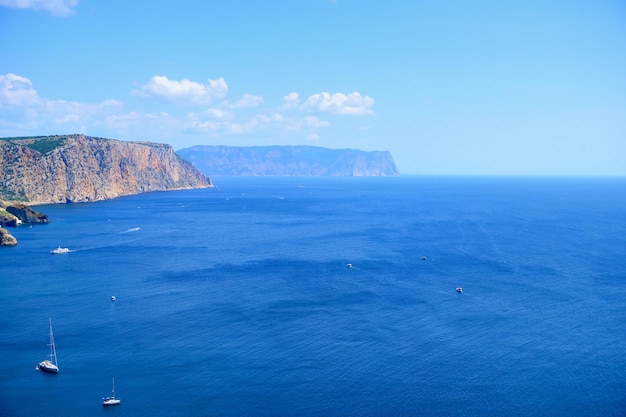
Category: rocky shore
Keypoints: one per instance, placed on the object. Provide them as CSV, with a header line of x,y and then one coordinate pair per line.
x,y
15,214
6,238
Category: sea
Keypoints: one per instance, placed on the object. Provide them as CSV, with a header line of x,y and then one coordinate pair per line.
x,y
271,296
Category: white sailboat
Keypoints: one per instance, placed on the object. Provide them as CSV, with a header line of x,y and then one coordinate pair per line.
x,y
111,400
50,365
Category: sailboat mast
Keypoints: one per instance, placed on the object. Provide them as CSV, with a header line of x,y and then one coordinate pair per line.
x,y
113,387
53,352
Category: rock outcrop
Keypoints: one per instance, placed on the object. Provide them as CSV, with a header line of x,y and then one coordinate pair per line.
x,y
289,161
14,214
26,214
8,219
78,168
6,238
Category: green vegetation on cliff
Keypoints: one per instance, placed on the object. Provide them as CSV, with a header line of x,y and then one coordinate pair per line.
x,y
11,195
41,144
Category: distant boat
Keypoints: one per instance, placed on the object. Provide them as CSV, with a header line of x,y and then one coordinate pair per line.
x,y
349,265
59,250
459,289
424,258
50,365
111,400
113,298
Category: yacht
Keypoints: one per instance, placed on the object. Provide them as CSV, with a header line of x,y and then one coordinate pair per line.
x,y
59,250
111,400
50,365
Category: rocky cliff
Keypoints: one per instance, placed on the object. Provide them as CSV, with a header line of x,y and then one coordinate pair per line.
x,y
289,161
78,168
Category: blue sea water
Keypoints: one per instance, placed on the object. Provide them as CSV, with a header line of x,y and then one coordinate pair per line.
x,y
237,300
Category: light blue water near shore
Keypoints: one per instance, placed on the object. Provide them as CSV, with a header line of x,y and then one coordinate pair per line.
x,y
237,300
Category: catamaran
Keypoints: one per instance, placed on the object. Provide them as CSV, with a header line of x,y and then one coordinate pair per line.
x,y
111,400
50,365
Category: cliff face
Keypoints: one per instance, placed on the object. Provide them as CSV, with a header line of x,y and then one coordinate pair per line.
x,y
289,161
78,168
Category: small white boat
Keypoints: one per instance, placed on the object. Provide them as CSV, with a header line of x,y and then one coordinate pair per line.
x,y
459,289
111,400
50,365
349,265
59,250
113,298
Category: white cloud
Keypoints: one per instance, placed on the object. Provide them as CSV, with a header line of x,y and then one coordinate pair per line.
x,y
204,126
55,7
75,107
74,116
123,121
291,101
260,122
183,92
307,123
264,118
314,122
135,119
211,121
338,103
237,128
218,114
17,91
246,101
23,111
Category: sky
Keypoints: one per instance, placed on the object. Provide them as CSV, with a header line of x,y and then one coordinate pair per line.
x,y
453,87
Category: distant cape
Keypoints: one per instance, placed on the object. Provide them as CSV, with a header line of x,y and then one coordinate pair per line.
x,y
289,161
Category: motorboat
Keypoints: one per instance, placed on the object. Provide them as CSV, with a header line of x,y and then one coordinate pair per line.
x,y
59,250
459,289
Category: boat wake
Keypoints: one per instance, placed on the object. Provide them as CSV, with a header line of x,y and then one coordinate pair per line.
x,y
115,239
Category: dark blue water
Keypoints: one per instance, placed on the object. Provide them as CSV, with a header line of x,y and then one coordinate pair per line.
x,y
236,301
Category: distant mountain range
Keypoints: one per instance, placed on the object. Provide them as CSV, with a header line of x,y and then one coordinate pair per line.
x,y
289,161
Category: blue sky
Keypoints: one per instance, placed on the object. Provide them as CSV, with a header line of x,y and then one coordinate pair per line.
x,y
448,87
